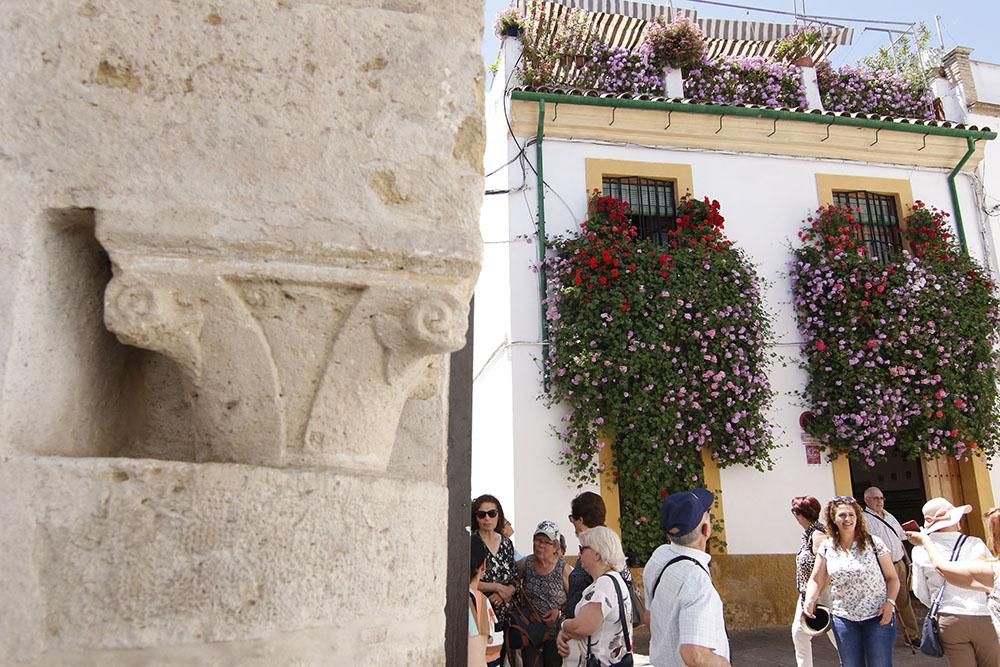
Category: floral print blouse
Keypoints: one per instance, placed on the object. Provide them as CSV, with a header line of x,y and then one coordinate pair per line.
x,y
501,569
857,585
607,643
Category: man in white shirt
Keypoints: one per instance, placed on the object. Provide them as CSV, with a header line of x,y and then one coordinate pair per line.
x,y
885,525
686,626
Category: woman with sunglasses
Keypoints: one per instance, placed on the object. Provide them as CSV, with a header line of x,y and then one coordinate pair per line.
x,y
863,587
600,632
498,581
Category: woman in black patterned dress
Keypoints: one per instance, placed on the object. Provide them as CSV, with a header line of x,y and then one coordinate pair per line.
x,y
501,571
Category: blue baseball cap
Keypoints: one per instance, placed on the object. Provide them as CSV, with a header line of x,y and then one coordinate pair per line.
x,y
683,511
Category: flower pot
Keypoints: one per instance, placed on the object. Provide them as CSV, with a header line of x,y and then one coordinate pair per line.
x,y
804,61
512,31
673,82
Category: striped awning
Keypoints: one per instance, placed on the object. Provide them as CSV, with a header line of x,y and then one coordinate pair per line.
x,y
621,23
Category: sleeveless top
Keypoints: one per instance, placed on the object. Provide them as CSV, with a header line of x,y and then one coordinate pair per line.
x,y
805,558
545,592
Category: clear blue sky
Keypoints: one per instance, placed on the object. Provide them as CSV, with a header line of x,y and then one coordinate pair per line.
x,y
971,23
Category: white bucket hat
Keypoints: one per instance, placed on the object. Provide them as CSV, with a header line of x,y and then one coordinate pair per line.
x,y
939,513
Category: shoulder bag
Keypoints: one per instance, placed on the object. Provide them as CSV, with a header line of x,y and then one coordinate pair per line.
x,y
626,660
526,626
930,639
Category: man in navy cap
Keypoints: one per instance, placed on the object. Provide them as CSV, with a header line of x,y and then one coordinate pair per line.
x,y
686,622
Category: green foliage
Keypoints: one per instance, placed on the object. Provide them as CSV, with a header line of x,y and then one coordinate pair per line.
x,y
911,56
801,43
663,350
678,44
901,355
509,22
547,40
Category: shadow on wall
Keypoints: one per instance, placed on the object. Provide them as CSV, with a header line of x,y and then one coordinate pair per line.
x,y
76,390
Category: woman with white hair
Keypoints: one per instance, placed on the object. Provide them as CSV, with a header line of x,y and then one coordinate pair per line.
x,y
602,625
967,635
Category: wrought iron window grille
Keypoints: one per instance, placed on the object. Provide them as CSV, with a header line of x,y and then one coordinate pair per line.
x,y
878,216
654,207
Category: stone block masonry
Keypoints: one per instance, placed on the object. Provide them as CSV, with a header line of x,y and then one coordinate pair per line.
x,y
238,243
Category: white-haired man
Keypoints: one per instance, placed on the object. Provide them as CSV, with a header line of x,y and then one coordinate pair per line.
x,y
886,526
686,623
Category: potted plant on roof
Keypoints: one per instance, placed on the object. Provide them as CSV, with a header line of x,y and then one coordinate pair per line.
x,y
509,23
798,47
674,46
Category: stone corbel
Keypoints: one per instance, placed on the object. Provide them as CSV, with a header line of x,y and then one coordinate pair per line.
x,y
285,370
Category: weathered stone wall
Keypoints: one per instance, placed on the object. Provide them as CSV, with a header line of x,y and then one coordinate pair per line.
x,y
237,244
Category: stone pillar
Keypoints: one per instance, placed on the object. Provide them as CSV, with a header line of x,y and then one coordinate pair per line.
x,y
814,100
239,241
673,83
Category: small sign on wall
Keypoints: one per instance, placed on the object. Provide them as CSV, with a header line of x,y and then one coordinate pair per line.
x,y
813,453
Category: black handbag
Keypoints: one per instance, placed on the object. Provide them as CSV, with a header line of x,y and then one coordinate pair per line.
x,y
626,660
930,635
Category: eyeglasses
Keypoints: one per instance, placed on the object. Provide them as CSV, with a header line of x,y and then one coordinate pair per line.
x,y
482,514
843,499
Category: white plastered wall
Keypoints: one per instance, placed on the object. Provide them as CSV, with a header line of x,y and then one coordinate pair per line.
x,y
764,200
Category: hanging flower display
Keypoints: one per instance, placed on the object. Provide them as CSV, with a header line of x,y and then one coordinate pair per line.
x,y
899,355
663,350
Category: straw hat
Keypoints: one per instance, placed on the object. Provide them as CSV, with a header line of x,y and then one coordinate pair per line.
x,y
939,513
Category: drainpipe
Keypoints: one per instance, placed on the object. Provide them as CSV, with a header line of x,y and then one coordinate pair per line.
x,y
541,220
954,194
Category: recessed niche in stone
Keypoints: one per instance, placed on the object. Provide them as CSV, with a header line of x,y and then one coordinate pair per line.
x,y
79,390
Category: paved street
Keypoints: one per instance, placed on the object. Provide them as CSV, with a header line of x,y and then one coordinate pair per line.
x,y
772,647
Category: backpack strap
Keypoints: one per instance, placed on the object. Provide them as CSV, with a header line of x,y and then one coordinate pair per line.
x,y
621,612
671,562
621,618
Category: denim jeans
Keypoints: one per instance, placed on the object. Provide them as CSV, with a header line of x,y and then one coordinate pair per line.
x,y
864,643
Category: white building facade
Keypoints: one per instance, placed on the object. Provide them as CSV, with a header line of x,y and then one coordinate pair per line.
x,y
769,171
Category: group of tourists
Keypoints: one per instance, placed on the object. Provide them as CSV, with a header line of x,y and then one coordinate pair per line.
x,y
853,574
537,611
854,580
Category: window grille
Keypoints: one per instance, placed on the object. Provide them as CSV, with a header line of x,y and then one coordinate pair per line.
x,y
654,209
879,221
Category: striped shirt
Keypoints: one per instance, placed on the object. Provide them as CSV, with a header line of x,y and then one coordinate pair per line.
x,y
892,534
685,608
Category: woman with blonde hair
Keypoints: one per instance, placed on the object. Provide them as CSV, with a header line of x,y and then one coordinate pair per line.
x,y
863,587
602,625
982,575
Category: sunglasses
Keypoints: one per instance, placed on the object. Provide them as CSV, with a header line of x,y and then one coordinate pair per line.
x,y
571,518
482,514
843,499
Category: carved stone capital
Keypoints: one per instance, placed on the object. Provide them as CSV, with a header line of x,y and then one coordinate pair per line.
x,y
289,364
